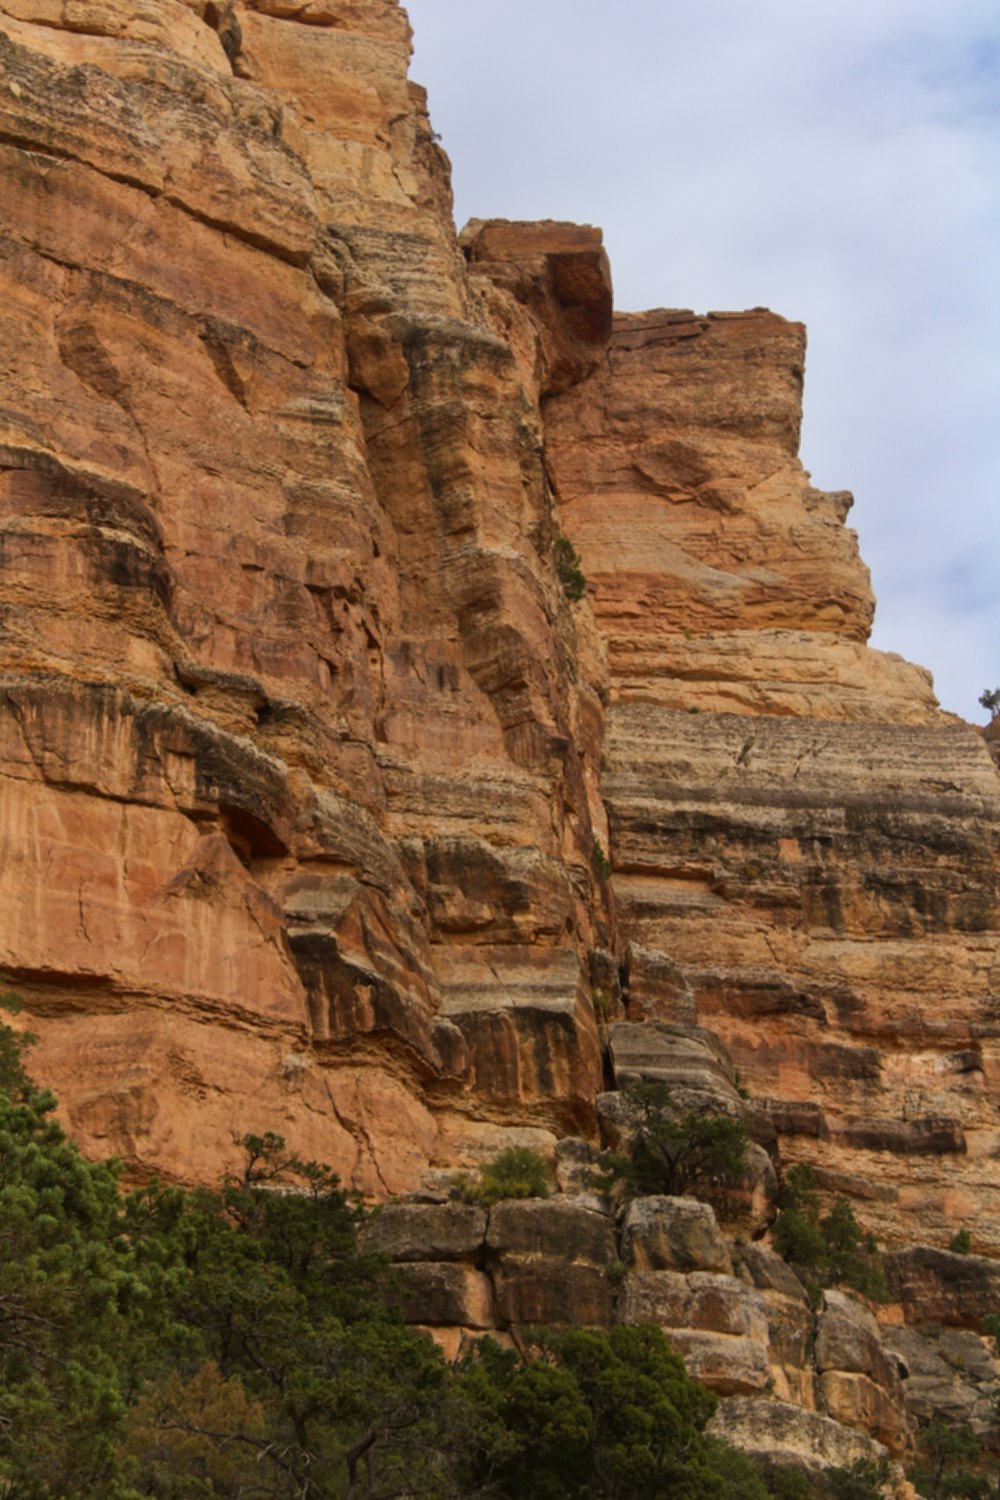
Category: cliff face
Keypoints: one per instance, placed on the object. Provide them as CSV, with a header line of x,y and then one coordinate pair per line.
x,y
305,752
804,848
300,736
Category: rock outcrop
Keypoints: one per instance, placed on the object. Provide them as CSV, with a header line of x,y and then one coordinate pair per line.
x,y
332,803
300,737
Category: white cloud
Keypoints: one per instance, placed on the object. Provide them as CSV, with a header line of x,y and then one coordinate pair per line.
x,y
837,162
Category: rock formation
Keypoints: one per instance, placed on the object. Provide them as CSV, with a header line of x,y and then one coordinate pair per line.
x,y
326,809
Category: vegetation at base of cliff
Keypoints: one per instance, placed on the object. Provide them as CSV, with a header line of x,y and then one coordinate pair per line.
x,y
167,1345
673,1152
518,1172
827,1250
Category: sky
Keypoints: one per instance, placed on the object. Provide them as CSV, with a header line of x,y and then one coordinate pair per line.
x,y
835,160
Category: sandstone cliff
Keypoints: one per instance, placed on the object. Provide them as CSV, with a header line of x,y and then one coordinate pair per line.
x,y
309,764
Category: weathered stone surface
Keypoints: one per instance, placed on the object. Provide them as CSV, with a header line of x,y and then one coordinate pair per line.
x,y
715,1322
560,273
305,755
848,1338
553,1228
721,579
292,697
691,1062
436,1293
673,1234
828,893
550,1261
856,1401
765,1269
544,1289
782,1434
947,1373
935,1286
427,1231
703,1300
859,1384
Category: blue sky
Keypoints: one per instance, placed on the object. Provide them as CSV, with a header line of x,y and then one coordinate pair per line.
x,y
838,162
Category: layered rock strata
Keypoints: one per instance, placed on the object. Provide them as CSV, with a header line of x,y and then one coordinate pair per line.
x,y
804,849
299,733
327,808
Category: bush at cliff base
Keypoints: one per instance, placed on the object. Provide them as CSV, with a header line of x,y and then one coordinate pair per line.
x,y
170,1344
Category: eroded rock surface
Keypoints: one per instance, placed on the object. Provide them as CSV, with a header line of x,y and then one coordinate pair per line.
x,y
325,808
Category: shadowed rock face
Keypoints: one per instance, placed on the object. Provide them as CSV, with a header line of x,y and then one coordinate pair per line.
x,y
309,766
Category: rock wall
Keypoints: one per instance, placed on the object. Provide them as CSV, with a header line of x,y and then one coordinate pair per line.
x,y
325,808
300,736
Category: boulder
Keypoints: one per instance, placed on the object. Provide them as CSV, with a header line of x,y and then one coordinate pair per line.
x,y
546,1289
551,1227
784,1435
673,1234
426,1231
446,1293
856,1401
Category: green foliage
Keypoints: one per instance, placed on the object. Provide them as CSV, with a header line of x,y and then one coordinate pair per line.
x,y
596,1413
960,1243
518,1172
941,1471
14,1048
789,1484
674,1153
990,700
600,861
826,1250
568,569
602,1002
864,1480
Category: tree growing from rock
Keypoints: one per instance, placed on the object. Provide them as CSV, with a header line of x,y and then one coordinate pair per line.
x,y
673,1151
826,1249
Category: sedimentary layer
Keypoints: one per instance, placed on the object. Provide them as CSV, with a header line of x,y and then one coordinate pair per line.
x,y
335,801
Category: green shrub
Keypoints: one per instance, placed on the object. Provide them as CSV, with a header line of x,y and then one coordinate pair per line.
x,y
568,568
518,1172
600,861
940,1472
960,1243
826,1250
990,700
864,1480
602,1002
594,1413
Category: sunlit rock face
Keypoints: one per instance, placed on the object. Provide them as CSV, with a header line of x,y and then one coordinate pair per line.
x,y
300,735
804,848
310,765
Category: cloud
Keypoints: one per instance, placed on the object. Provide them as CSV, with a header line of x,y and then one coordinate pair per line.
x,y
838,163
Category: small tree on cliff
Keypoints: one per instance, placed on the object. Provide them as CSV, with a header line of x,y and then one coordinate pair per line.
x,y
990,700
829,1249
674,1152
